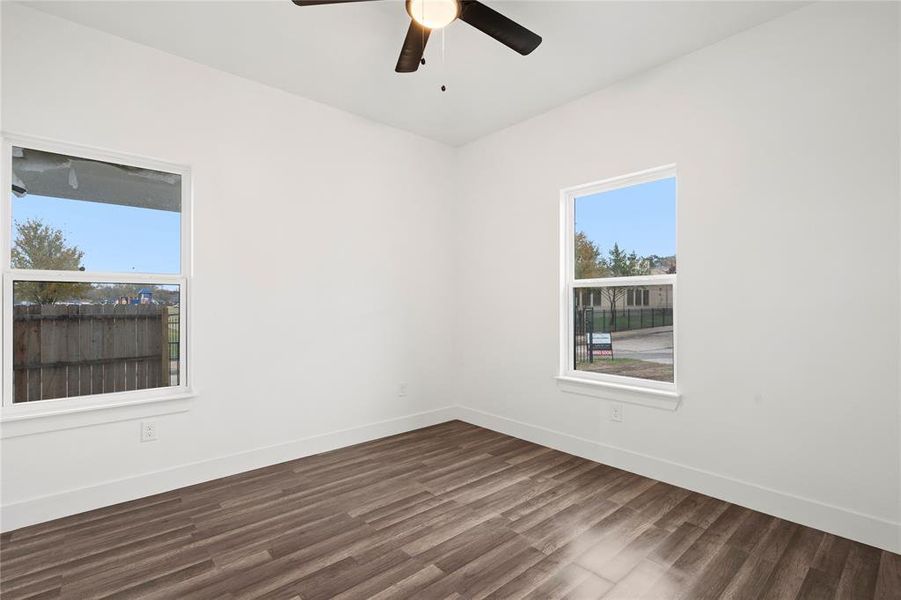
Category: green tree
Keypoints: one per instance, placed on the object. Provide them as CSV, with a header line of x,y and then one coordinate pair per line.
x,y
588,258
619,263
40,246
588,265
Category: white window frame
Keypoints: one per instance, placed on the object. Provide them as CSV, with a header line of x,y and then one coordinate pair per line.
x,y
63,413
657,394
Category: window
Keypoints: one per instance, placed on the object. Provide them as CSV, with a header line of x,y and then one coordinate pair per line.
x,y
619,280
95,273
638,297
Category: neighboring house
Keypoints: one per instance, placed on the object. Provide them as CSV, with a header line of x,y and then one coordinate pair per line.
x,y
658,296
652,296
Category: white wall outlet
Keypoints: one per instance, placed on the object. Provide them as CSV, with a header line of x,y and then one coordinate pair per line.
x,y
402,389
148,431
616,412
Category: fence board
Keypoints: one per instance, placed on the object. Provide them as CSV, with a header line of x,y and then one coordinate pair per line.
x,y
141,350
54,352
144,348
129,339
20,376
154,334
33,355
73,350
107,349
97,331
120,349
166,349
85,348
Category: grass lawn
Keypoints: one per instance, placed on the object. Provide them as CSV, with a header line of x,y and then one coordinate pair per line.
x,y
629,367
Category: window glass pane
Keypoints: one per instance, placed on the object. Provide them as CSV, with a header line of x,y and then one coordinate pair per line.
x,y
627,231
611,337
73,213
72,339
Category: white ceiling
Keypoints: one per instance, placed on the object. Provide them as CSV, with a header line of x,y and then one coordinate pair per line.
x,y
344,55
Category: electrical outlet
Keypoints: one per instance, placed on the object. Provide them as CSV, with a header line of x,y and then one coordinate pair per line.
x,y
402,389
148,431
616,412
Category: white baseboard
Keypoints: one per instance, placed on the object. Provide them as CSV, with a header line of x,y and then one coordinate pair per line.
x,y
46,508
825,517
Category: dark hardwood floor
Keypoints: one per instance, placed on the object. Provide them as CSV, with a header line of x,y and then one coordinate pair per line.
x,y
451,511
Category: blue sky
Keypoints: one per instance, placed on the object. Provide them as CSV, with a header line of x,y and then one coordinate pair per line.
x,y
640,218
113,237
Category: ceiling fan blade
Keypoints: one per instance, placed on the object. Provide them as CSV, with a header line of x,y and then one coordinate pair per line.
x,y
414,46
317,2
506,31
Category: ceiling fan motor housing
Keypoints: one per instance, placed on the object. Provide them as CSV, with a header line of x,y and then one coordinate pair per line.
x,y
425,12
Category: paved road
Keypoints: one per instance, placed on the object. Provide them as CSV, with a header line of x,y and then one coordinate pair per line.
x,y
653,345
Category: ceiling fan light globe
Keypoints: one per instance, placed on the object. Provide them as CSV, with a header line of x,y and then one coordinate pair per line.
x,y
433,14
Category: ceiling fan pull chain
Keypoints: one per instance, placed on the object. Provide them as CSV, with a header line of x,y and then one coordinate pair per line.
x,y
443,61
422,39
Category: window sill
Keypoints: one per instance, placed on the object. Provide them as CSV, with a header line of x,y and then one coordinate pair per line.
x,y
55,415
631,394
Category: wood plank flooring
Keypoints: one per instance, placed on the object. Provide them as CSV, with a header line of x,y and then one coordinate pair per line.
x,y
447,512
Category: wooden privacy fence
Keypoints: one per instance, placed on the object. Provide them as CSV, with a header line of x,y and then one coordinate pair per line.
x,y
61,351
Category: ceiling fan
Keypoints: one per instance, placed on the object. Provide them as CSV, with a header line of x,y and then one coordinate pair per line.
x,y
427,15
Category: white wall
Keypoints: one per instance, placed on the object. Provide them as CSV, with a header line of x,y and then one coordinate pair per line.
x,y
786,139
321,255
